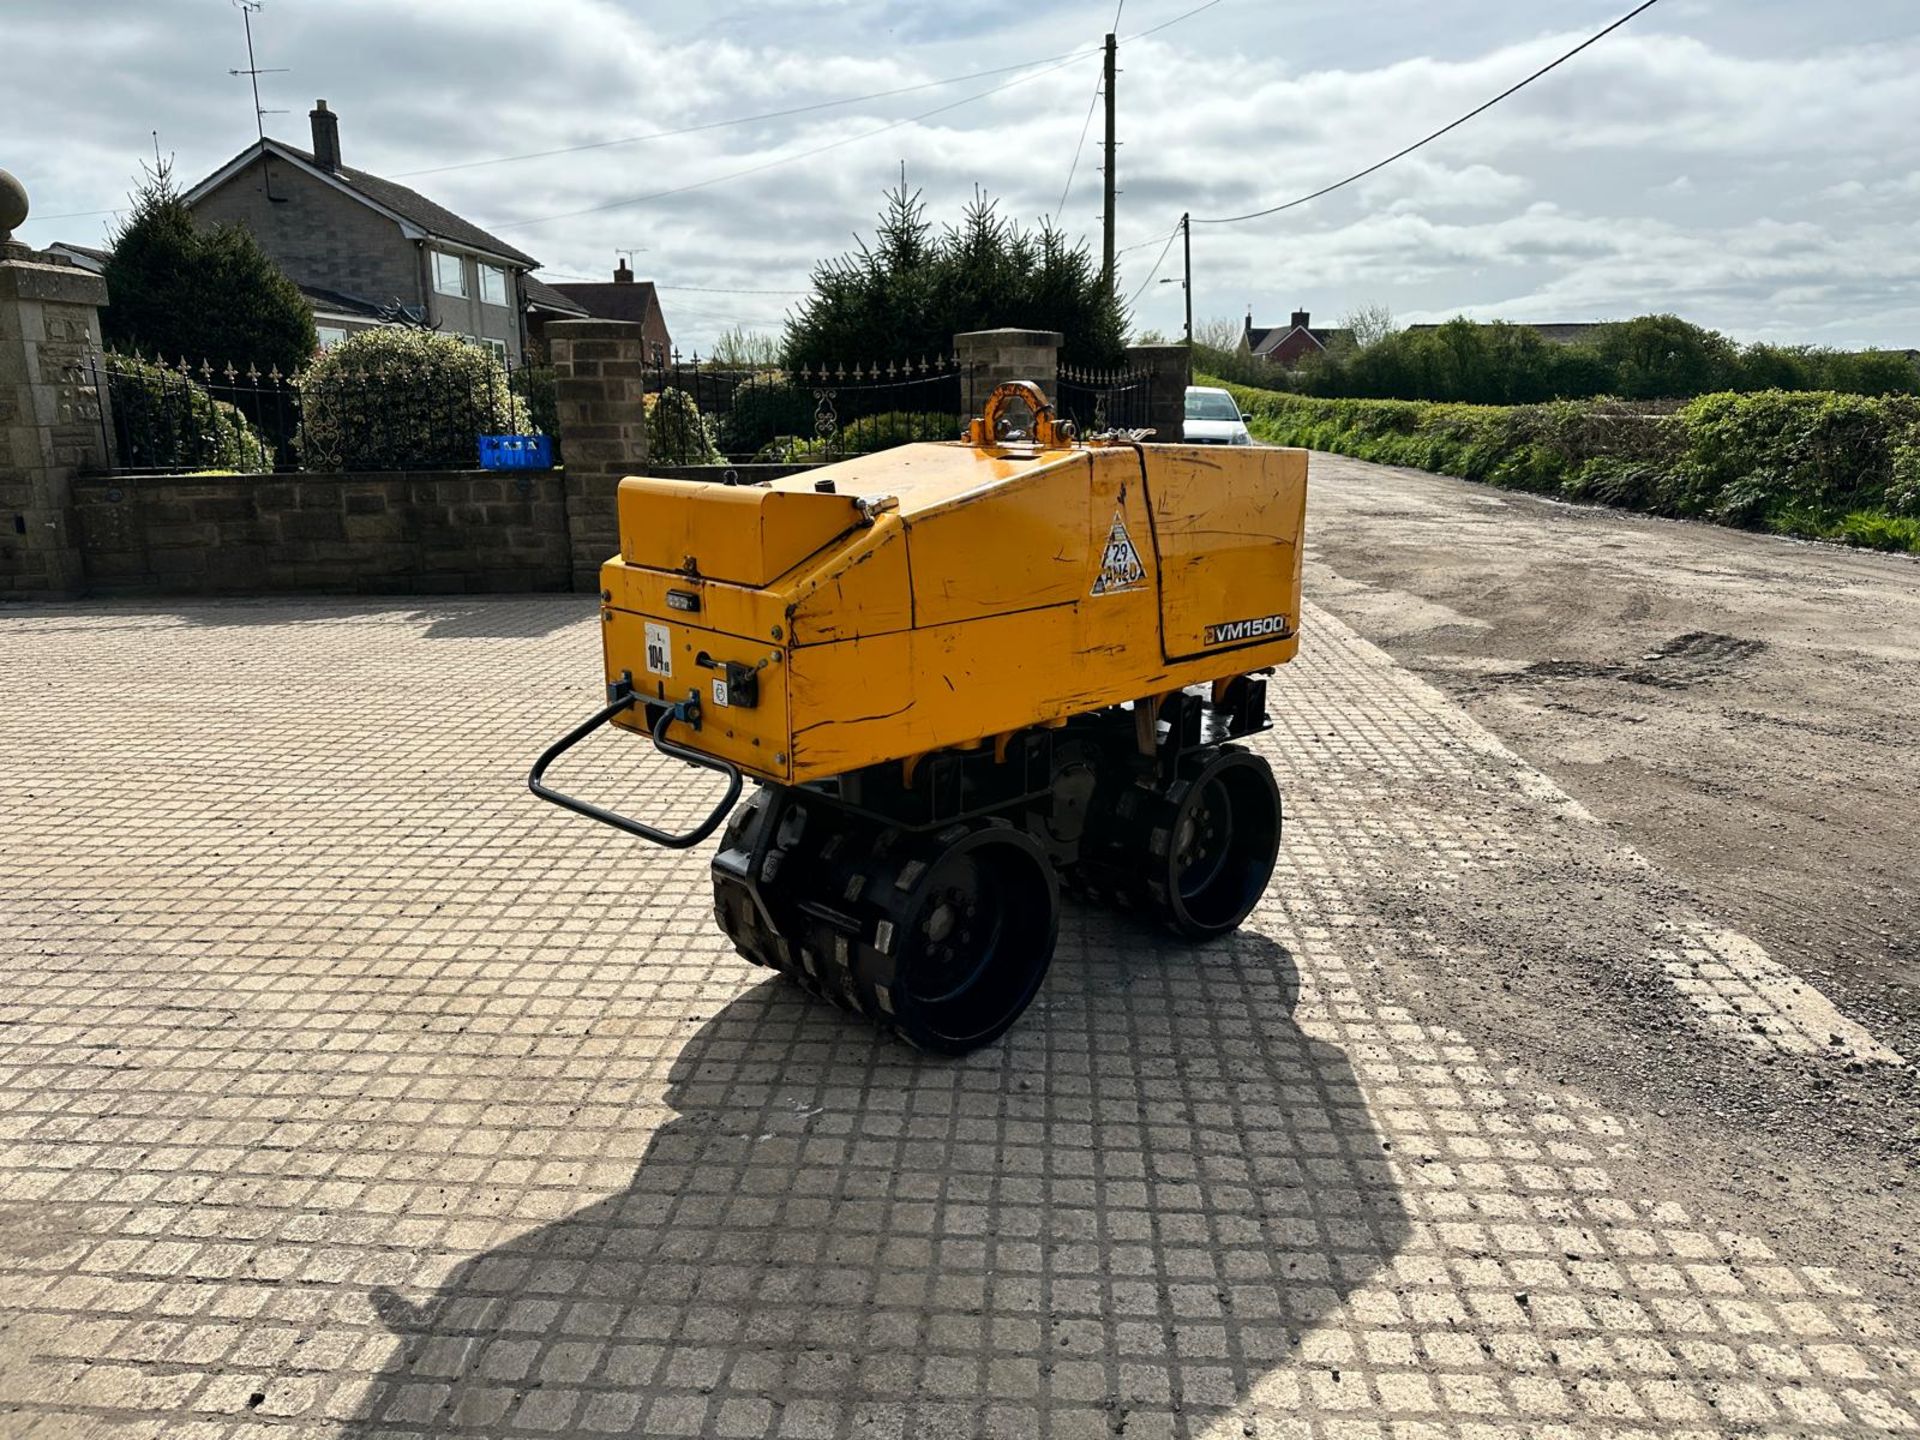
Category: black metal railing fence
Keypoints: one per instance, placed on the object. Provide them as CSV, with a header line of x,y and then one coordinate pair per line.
x,y
1097,401
160,417
702,413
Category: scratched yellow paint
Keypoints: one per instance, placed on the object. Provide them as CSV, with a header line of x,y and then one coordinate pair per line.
x,y
945,594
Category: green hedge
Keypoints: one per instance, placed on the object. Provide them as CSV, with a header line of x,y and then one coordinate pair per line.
x,y
1829,466
400,399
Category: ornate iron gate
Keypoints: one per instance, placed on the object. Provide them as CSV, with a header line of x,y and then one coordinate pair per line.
x,y
1101,400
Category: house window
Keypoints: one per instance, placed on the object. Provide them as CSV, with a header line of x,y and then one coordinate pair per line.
x,y
449,273
330,335
493,285
498,347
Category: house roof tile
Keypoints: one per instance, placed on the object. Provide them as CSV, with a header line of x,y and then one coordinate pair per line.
x,y
546,297
621,300
410,205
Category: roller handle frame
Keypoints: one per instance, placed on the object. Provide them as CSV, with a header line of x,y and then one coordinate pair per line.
x,y
623,699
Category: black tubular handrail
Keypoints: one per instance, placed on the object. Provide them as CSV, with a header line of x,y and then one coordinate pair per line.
x,y
687,710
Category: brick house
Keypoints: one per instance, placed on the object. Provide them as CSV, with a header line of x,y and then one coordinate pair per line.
x,y
625,298
362,248
1287,345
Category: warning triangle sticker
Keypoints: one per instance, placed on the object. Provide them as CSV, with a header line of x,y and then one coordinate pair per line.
x,y
1120,567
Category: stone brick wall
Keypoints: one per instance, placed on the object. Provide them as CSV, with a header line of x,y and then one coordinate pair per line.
x,y
49,419
318,235
599,384
414,532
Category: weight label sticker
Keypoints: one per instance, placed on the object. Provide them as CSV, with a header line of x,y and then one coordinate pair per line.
x,y
720,694
659,649
1120,567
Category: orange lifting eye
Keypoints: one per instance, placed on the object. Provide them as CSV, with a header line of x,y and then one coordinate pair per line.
x,y
1003,423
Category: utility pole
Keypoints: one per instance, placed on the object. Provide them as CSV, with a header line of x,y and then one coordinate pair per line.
x,y
1186,245
1106,215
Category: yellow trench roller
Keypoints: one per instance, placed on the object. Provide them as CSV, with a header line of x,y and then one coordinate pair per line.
x,y
962,675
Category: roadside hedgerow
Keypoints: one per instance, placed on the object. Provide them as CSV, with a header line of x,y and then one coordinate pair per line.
x,y
1829,466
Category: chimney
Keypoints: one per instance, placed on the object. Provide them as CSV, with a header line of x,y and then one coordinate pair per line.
x,y
326,137
1302,320
622,275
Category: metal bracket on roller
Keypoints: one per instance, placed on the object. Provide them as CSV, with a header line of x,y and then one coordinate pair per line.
x,y
620,698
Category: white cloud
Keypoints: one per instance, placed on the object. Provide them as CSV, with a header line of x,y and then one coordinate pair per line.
x,y
1753,166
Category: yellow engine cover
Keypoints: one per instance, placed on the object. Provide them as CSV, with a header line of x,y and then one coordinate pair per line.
x,y
946,594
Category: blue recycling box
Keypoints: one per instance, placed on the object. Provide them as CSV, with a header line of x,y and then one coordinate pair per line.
x,y
516,452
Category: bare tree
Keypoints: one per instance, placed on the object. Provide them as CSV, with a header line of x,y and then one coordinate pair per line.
x,y
744,349
1370,323
1219,332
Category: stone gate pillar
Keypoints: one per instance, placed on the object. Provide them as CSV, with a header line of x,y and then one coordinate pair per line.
x,y
49,413
599,388
988,357
1171,367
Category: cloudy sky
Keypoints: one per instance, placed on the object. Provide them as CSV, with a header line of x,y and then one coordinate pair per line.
x,y
1751,164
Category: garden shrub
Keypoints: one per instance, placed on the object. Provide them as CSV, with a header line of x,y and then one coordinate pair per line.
x,y
535,385
894,427
677,433
761,413
870,434
404,399
166,420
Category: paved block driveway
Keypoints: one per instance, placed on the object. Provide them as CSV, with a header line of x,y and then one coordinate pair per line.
x,y
346,1090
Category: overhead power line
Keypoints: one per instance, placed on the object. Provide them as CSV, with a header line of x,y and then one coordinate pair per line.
x,y
1156,267
1085,125
658,285
715,290
1143,244
1443,130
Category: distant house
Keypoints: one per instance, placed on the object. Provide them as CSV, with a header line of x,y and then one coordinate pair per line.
x,y
545,305
87,257
366,250
1287,345
624,298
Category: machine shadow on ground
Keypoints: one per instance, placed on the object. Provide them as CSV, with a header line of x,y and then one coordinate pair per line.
x,y
456,617
1135,1208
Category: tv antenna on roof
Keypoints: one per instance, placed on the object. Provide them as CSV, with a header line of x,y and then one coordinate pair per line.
x,y
253,71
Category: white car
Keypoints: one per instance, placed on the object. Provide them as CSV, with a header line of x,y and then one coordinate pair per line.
x,y
1213,418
